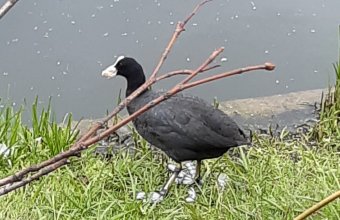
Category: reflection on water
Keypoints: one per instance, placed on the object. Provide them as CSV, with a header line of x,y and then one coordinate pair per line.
x,y
58,48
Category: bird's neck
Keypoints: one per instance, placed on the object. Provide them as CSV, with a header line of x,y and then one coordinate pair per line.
x,y
134,85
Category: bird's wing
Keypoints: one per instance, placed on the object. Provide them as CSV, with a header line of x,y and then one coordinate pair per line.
x,y
190,118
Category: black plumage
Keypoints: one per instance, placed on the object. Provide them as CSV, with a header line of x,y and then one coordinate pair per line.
x,y
184,127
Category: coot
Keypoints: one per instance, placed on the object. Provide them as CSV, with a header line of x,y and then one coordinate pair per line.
x,y
184,127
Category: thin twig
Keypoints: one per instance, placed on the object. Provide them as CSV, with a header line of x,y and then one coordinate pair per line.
x,y
318,206
36,176
179,29
183,72
7,6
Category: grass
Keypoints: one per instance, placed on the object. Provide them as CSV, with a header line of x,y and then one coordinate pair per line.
x,y
275,179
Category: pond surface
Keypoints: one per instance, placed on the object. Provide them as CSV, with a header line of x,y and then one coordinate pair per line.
x,y
58,48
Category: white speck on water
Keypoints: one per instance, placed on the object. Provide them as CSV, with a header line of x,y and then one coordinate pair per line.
x,y
32,88
293,30
65,73
315,71
124,34
73,22
149,22
217,19
58,95
312,30
93,15
286,86
278,14
35,28
266,51
155,38
291,79
159,22
236,16
52,78
50,29
188,59
172,23
170,13
38,51
253,5
127,19
5,73
100,7
14,104
106,34
46,35
111,6
288,34
224,59
194,24
58,63
15,40
45,22
314,14
277,81
137,41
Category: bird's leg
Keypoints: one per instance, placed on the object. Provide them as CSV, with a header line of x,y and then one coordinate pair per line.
x,y
169,182
198,173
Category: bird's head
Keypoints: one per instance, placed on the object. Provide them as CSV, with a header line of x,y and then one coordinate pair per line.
x,y
130,69
126,67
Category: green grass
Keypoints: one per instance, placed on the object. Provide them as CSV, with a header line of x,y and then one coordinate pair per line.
x,y
275,179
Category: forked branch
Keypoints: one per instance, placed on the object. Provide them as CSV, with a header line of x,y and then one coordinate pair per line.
x,y
22,177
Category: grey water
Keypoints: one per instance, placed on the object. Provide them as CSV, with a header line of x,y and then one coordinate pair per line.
x,y
59,48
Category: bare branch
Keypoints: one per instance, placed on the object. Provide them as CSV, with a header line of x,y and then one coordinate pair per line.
x,y
318,206
6,7
21,178
179,29
183,72
76,147
36,176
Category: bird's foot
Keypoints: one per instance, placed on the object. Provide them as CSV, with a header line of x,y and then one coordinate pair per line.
x,y
153,197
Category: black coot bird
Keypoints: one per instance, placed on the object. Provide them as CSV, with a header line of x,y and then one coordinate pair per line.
x,y
184,127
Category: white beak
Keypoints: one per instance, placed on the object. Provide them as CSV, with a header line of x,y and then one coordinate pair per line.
x,y
111,71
